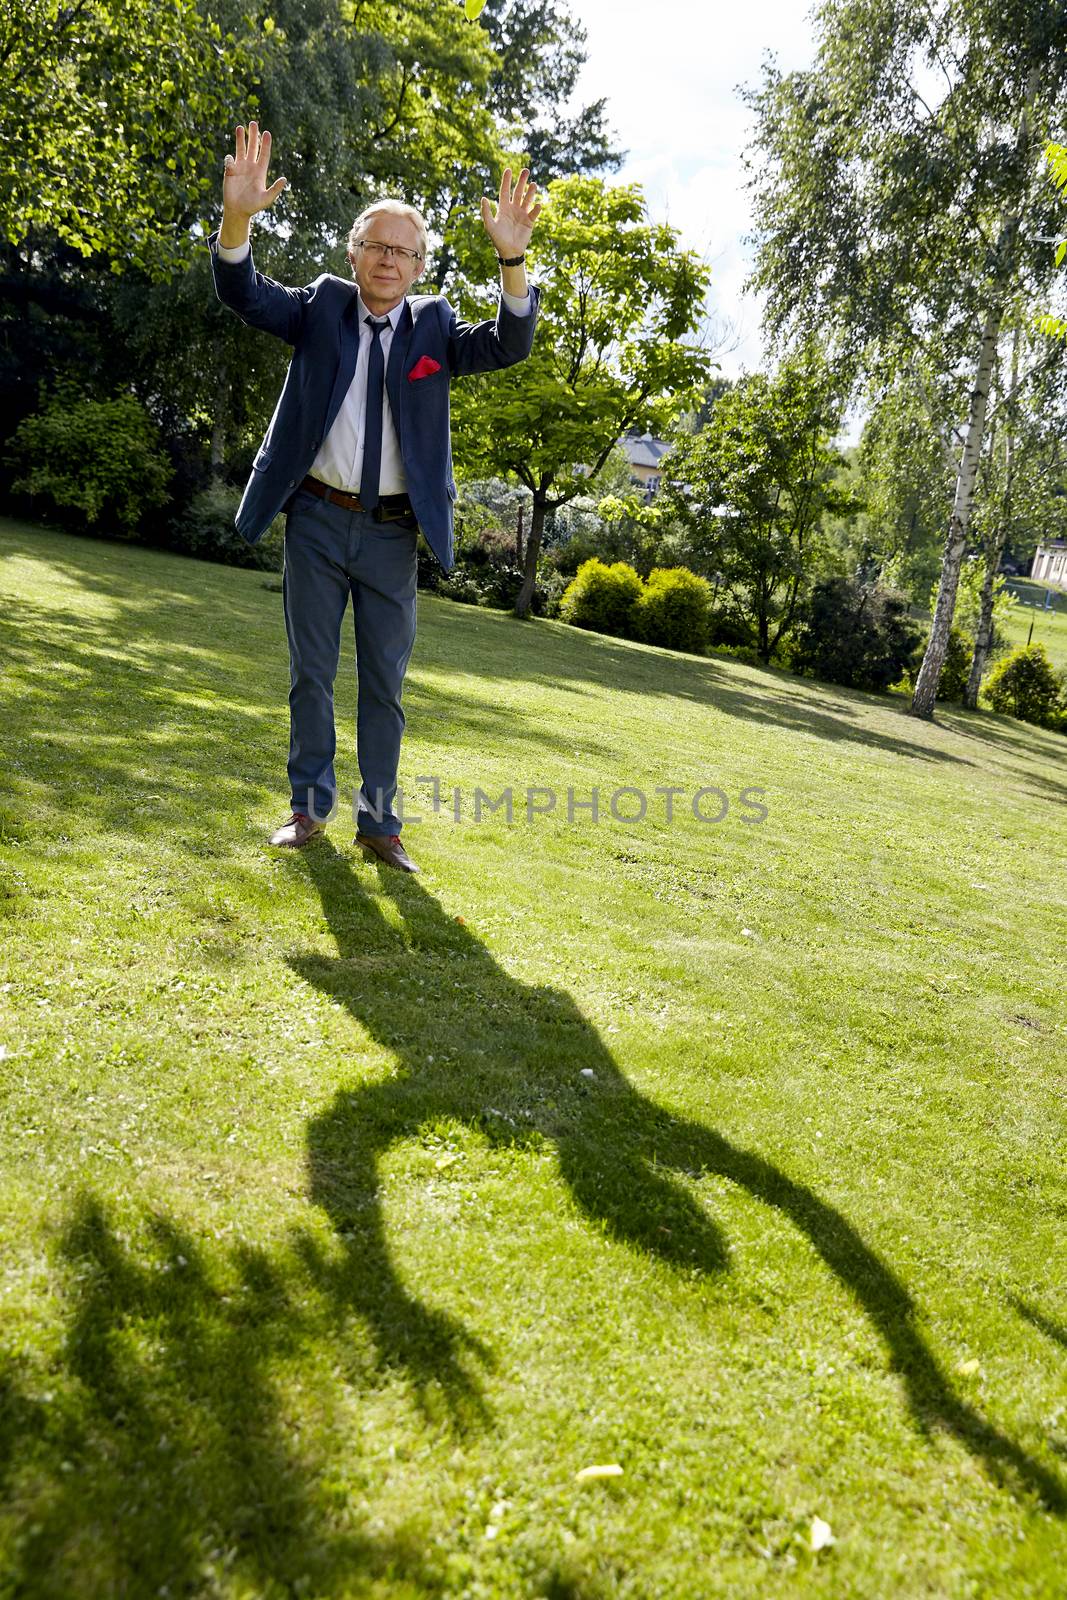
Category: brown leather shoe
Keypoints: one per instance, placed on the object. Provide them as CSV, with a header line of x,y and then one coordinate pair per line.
x,y
387,848
296,832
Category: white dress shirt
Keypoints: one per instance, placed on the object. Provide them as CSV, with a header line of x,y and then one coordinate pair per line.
x,y
340,459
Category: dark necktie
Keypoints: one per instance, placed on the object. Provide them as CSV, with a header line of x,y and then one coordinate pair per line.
x,y
372,424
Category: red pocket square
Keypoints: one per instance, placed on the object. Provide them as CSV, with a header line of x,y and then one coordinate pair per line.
x,y
425,367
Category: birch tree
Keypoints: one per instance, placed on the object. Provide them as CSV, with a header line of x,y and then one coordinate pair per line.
x,y
901,202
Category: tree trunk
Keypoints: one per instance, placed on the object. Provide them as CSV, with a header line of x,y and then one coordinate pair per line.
x,y
533,548
518,538
994,549
922,704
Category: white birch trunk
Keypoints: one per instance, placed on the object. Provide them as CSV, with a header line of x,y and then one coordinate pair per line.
x,y
984,632
922,704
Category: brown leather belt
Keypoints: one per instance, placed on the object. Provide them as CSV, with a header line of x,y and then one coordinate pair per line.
x,y
390,507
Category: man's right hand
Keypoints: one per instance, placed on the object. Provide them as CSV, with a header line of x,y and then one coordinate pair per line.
x,y
244,185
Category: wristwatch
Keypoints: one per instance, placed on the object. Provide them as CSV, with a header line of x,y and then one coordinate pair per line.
x,y
512,261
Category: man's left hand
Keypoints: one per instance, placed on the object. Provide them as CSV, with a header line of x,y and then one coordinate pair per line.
x,y
516,213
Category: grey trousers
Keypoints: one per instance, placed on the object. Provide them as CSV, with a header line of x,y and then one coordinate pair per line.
x,y
331,554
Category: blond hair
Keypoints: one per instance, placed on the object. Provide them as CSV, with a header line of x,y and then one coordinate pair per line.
x,y
395,208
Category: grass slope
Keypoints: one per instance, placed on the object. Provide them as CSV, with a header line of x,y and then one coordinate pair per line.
x,y
346,1216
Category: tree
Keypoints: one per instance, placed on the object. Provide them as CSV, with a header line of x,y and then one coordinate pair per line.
x,y
539,52
753,487
1022,493
889,215
904,483
103,110
612,351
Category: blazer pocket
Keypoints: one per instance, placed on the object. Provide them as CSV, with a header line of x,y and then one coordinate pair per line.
x,y
262,461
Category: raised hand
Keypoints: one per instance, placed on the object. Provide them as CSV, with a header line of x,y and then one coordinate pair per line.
x,y
244,183
516,214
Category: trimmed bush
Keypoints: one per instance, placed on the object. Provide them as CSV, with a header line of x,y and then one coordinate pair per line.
x,y
206,529
99,458
1026,685
855,634
603,599
673,609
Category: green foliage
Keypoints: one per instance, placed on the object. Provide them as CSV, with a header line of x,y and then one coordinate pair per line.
x,y
855,634
751,490
727,628
878,214
603,598
906,485
106,110
1056,155
969,605
672,609
620,300
956,669
1026,685
101,458
206,529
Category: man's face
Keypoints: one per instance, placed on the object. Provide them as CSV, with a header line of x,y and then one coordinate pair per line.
x,y
385,280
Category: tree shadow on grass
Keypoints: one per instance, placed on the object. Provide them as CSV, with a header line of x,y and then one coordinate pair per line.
x,y
1056,1331
163,1462
549,1077
555,660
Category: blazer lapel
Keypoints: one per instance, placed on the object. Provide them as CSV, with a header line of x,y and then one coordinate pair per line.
x,y
346,367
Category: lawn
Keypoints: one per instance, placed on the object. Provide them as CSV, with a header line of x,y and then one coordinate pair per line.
x,y
1033,622
347,1216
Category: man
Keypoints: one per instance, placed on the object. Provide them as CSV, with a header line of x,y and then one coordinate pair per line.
x,y
358,453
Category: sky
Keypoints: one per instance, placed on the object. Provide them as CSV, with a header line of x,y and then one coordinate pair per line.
x,y
670,70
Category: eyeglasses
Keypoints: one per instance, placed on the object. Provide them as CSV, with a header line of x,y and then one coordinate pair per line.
x,y
376,251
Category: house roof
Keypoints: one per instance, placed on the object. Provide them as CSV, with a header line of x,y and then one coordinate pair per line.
x,y
642,450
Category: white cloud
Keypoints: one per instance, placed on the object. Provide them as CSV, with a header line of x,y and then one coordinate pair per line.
x,y
671,73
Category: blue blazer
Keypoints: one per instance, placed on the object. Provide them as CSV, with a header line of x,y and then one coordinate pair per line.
x,y
319,321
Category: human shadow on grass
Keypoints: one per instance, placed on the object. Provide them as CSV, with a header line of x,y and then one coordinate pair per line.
x,y
163,1461
552,1079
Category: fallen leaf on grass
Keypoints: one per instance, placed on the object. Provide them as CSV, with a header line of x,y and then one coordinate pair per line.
x,y
966,1368
608,1470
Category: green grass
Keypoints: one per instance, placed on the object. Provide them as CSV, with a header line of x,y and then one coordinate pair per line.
x,y
1029,622
326,1265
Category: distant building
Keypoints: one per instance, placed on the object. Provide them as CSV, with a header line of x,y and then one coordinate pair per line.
x,y
644,453
1050,563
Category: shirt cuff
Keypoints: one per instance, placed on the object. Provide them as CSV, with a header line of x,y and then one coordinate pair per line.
x,y
517,304
233,253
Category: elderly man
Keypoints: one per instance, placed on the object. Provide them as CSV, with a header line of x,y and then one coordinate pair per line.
x,y
358,453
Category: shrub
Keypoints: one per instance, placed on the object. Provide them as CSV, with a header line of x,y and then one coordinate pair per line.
x,y
603,598
726,628
747,654
952,684
672,610
459,585
206,529
855,634
101,458
1026,685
